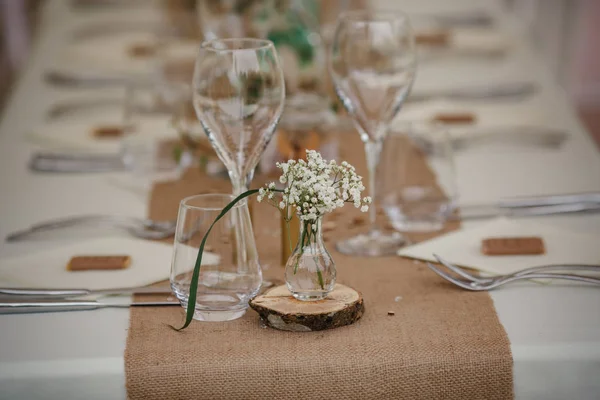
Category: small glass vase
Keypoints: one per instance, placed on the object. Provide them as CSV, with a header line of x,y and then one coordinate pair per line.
x,y
310,270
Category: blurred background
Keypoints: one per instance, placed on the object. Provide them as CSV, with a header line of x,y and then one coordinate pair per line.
x,y
564,32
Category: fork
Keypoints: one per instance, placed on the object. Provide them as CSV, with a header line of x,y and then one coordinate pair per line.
x,y
526,271
475,283
139,227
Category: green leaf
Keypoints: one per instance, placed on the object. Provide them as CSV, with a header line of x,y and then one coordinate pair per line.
x,y
177,153
196,274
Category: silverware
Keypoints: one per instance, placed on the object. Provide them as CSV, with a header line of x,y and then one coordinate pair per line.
x,y
521,135
543,268
63,108
104,28
475,18
50,293
556,199
483,284
504,91
94,4
513,135
92,80
26,307
139,227
76,163
437,54
496,210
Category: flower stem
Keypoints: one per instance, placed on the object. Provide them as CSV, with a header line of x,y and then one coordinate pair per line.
x,y
320,277
301,247
316,260
287,225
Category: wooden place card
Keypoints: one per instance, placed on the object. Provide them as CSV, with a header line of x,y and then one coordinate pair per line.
x,y
98,263
509,246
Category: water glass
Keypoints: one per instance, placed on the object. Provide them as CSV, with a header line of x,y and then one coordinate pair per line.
x,y
418,187
230,273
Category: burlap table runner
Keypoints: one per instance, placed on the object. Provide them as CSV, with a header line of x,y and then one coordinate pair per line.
x,y
442,342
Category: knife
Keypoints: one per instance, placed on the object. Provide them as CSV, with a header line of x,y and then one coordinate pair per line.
x,y
27,307
471,18
53,162
534,201
491,211
92,80
50,293
503,91
513,135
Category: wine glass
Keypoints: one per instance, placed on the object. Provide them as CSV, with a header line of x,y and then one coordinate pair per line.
x,y
238,95
373,64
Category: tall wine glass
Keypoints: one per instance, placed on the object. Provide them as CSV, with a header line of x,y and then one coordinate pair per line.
x,y
372,65
238,95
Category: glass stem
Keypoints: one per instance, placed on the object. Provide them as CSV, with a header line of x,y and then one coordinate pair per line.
x,y
372,150
240,186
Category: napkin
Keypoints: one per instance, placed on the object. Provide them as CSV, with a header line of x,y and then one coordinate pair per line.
x,y
467,41
150,263
76,131
487,116
479,40
108,54
463,247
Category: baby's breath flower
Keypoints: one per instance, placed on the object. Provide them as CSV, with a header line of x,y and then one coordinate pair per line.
x,y
316,187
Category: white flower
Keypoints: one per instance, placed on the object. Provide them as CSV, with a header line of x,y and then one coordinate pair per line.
x,y
316,187
364,208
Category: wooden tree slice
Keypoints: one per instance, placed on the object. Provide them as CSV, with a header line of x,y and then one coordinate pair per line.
x,y
280,310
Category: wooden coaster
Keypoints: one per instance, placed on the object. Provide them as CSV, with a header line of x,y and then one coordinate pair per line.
x,y
280,310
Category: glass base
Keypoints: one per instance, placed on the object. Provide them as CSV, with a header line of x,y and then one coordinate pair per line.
x,y
216,307
419,222
372,244
422,226
218,316
310,296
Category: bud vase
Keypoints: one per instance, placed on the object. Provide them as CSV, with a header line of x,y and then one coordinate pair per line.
x,y
310,270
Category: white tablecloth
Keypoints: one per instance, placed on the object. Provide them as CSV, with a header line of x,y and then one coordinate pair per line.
x,y
554,331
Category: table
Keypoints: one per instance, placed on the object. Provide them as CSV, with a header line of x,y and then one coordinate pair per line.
x,y
554,332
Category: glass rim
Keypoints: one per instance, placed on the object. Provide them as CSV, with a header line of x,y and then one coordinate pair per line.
x,y
373,15
230,197
259,44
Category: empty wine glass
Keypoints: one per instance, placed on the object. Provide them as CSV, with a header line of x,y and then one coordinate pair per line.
x,y
238,94
372,65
